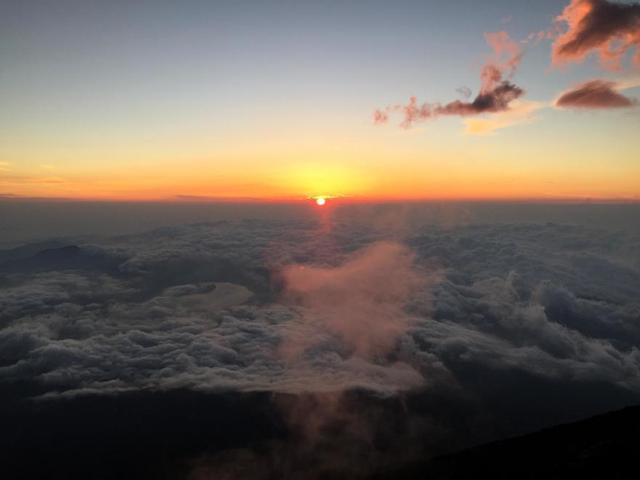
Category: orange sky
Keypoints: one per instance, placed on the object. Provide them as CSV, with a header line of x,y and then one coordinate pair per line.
x,y
401,168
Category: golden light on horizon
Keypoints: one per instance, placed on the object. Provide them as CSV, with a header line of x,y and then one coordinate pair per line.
x,y
320,201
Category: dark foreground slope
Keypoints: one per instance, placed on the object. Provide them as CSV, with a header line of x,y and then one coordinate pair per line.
x,y
604,446
193,436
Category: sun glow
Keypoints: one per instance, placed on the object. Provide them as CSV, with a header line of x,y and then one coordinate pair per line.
x,y
320,201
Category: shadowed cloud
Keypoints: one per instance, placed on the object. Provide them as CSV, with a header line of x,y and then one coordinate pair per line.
x,y
594,94
495,95
598,26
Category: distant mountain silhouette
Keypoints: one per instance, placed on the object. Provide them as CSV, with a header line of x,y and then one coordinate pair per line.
x,y
28,250
68,257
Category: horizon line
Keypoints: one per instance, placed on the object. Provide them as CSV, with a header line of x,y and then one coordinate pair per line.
x,y
290,200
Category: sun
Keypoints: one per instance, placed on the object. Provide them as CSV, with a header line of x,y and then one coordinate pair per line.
x,y
320,201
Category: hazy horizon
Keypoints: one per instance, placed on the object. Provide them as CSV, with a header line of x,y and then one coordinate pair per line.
x,y
38,220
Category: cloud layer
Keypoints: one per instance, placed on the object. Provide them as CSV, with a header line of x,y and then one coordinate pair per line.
x,y
379,338
204,307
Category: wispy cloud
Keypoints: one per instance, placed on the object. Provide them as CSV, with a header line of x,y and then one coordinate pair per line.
x,y
29,179
496,93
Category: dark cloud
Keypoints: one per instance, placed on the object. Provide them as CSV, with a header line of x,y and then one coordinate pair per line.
x,y
495,95
609,29
493,100
594,94
496,99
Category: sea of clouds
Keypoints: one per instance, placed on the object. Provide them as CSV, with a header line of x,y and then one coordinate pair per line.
x,y
322,305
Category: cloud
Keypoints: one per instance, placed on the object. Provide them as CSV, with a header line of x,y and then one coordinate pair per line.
x,y
27,179
495,95
507,56
520,112
535,38
357,310
167,313
594,94
361,300
598,26
353,308
380,117
490,100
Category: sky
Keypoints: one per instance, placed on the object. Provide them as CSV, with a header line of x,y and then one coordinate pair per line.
x,y
280,100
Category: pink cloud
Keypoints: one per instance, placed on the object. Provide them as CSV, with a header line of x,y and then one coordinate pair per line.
x,y
495,95
598,26
595,94
361,301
